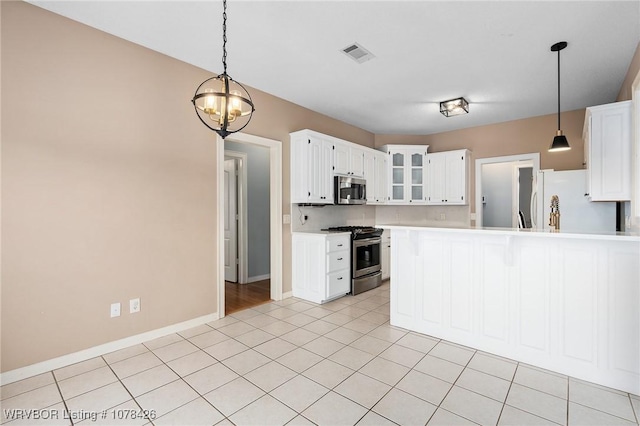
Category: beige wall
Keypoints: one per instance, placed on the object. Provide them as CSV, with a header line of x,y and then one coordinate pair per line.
x,y
634,70
108,183
510,138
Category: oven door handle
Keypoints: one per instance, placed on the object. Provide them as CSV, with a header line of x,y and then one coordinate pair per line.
x,y
367,241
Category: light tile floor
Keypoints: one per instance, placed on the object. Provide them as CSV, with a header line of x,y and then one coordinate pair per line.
x,y
297,363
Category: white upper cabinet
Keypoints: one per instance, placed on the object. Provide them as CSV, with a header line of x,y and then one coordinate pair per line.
x,y
348,159
395,174
370,175
375,172
407,173
447,174
381,188
341,159
311,168
607,150
317,158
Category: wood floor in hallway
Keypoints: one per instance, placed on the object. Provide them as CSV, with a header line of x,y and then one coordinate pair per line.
x,y
243,296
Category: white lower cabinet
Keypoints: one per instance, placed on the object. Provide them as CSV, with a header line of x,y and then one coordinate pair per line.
x,y
321,266
565,304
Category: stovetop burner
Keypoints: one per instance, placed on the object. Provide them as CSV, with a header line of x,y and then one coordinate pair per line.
x,y
357,232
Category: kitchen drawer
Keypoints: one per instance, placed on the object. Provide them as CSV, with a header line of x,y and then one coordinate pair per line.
x,y
338,283
338,242
338,260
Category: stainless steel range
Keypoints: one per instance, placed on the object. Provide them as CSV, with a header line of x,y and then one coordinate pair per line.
x,y
365,256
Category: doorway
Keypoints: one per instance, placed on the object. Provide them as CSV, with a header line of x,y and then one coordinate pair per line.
x,y
274,225
247,233
500,195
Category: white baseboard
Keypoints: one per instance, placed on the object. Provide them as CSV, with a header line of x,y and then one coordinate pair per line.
x,y
258,278
287,295
83,355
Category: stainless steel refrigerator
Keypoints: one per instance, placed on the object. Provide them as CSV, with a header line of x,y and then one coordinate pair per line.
x,y
577,213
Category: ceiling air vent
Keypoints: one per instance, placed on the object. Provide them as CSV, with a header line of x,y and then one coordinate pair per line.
x,y
358,53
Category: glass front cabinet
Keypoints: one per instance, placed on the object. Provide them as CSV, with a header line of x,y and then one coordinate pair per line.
x,y
407,173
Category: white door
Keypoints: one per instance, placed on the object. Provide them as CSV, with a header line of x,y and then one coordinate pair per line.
x,y
230,222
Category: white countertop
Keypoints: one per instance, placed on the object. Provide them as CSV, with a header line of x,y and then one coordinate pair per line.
x,y
617,236
322,232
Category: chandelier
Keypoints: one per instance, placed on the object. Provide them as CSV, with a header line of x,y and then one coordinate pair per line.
x,y
221,103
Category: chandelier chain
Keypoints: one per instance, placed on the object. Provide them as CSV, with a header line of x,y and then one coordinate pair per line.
x,y
224,36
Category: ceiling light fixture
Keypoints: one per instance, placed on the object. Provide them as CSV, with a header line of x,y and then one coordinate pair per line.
x,y
456,106
223,104
560,142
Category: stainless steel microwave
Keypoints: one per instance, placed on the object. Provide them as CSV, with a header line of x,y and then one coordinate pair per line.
x,y
350,190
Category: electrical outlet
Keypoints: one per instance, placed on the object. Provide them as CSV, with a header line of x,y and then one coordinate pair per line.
x,y
134,305
115,310
286,219
443,216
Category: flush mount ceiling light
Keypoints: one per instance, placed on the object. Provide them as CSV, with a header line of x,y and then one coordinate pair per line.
x,y
456,106
223,104
560,142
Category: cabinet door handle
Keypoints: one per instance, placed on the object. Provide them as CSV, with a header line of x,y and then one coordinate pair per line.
x,y
340,258
586,195
339,278
339,245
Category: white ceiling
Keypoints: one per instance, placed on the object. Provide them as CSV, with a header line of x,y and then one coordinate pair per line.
x,y
494,53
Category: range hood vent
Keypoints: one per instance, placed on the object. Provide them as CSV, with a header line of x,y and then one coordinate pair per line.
x,y
358,53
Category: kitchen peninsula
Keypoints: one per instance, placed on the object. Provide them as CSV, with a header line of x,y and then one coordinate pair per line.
x,y
561,301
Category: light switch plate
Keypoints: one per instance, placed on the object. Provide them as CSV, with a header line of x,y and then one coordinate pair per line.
x,y
115,310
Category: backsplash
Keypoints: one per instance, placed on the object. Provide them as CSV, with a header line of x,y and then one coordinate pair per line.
x,y
324,217
327,216
436,216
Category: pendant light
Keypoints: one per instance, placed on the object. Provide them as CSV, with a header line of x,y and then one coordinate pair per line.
x,y
560,142
221,103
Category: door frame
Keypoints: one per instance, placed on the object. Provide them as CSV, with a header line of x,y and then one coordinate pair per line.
x,y
275,211
241,210
635,151
515,190
534,157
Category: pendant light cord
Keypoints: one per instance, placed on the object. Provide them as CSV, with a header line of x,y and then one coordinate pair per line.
x,y
224,36
558,89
